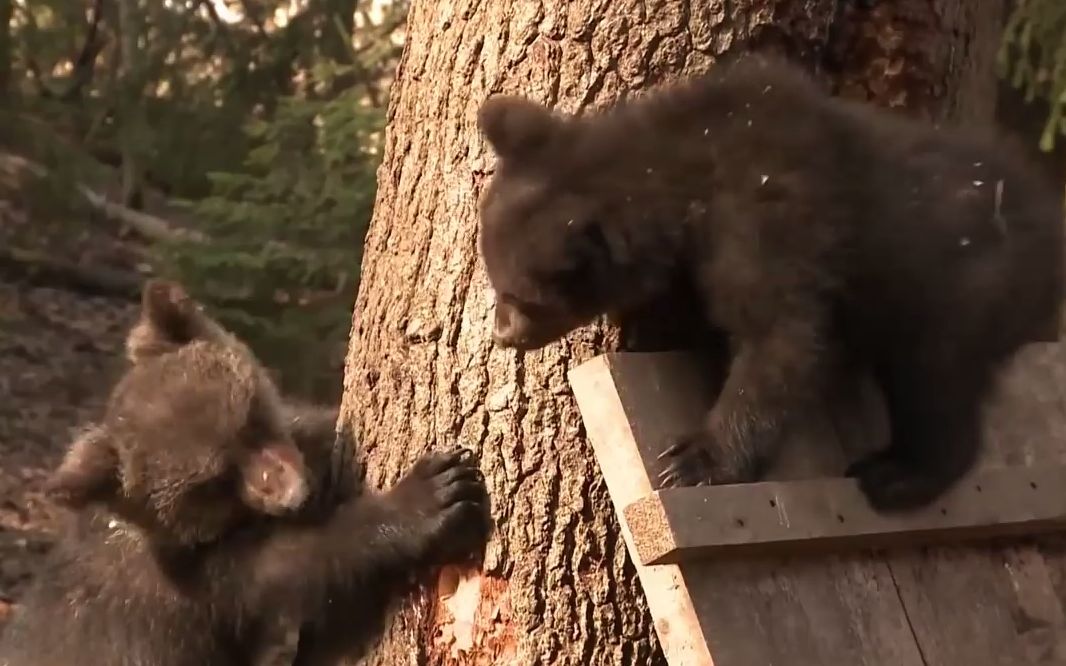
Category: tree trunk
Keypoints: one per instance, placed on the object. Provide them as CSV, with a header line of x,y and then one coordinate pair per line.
x,y
557,586
933,58
7,9
340,22
129,104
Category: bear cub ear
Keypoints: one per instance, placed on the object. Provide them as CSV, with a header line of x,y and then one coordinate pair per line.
x,y
169,309
515,127
169,319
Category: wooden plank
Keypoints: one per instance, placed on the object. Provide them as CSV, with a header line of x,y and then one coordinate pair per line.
x,y
999,604
672,610
820,515
802,612
940,606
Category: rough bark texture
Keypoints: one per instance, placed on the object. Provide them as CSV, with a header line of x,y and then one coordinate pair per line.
x,y
933,58
557,586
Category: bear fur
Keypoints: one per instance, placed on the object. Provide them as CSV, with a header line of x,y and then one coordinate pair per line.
x,y
818,233
208,508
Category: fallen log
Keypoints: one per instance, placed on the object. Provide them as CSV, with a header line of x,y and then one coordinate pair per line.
x,y
149,226
40,270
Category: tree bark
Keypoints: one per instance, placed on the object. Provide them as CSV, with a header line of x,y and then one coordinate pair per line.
x,y
930,58
557,586
7,10
130,124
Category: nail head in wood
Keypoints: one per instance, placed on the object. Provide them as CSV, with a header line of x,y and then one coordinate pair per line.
x,y
675,525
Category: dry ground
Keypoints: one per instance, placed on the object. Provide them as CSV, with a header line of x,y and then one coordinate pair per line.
x,y
59,352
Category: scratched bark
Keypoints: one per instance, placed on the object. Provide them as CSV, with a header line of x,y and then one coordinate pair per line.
x,y
557,586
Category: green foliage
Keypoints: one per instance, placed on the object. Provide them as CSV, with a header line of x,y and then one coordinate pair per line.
x,y
287,231
195,77
263,117
1033,57
48,200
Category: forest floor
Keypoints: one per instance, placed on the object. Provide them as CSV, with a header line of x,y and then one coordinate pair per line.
x,y
69,292
60,349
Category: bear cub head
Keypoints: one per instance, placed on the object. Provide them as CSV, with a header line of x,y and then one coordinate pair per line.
x,y
193,442
565,232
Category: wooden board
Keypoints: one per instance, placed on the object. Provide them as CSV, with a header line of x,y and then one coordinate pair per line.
x,y
623,469
841,609
946,606
821,515
999,605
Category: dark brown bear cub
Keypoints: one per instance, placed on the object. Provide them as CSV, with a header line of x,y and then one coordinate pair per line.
x,y
820,234
195,528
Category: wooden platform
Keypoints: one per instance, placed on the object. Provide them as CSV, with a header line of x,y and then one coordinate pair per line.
x,y
826,515
768,573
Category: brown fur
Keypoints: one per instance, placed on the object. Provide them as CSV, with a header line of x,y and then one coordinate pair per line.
x,y
170,319
820,234
208,509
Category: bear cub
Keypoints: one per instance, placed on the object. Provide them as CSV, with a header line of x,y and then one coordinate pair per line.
x,y
207,508
821,235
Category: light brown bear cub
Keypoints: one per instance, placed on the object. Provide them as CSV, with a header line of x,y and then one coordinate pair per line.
x,y
198,524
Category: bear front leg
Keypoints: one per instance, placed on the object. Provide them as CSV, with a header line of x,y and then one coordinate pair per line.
x,y
771,380
437,514
934,408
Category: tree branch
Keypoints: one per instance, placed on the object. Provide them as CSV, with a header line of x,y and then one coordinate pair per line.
x,y
252,14
218,25
85,63
148,226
